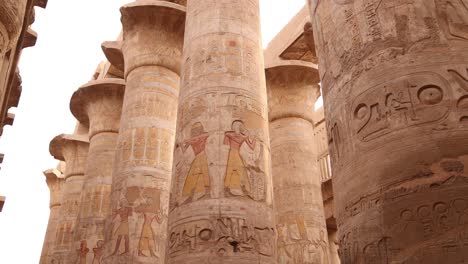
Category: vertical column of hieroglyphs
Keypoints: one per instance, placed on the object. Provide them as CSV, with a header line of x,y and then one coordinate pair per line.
x,y
395,84
97,104
221,199
297,187
55,182
73,149
152,46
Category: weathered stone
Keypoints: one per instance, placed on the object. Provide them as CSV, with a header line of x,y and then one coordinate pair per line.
x,y
98,105
11,22
2,202
333,245
73,149
152,46
113,52
55,183
302,232
221,199
395,86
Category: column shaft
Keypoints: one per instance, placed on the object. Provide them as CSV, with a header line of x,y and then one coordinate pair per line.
x,y
302,233
221,199
152,44
395,83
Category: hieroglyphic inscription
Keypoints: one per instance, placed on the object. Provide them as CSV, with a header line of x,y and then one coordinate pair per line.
x,y
64,234
453,18
433,219
460,76
412,100
96,201
211,103
224,235
372,19
298,243
147,146
234,55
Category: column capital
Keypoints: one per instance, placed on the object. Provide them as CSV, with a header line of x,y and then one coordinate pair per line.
x,y
54,181
293,88
113,52
73,149
153,34
98,104
11,22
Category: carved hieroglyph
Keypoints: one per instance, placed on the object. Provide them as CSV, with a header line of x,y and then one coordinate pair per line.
x,y
395,83
152,46
97,104
300,220
221,199
73,149
55,182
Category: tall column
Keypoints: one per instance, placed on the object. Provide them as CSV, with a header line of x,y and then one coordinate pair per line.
x,y
297,187
395,85
221,199
152,45
73,149
55,182
97,104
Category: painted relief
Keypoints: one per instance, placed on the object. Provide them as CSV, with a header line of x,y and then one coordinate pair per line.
x,y
197,182
412,100
148,146
122,231
82,252
295,243
453,18
150,209
225,235
237,180
64,234
98,252
96,201
146,203
243,171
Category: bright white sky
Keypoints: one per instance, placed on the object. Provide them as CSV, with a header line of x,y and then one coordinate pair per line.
x,y
66,54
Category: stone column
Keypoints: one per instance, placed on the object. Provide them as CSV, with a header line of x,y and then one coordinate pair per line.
x,y
300,221
152,45
221,199
55,182
97,104
395,85
73,149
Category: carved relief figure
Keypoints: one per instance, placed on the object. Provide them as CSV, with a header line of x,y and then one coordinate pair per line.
x,y
82,252
453,15
98,252
122,231
236,181
295,245
151,210
197,182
